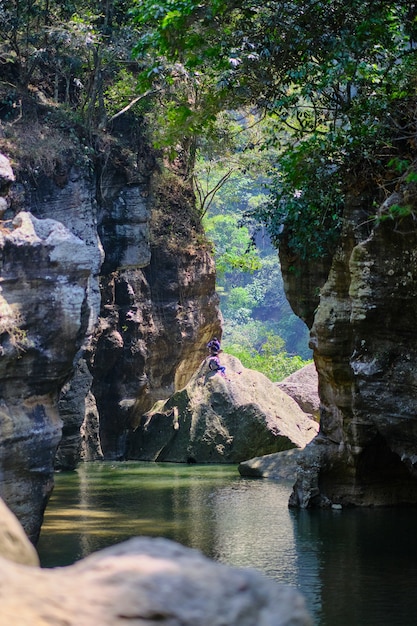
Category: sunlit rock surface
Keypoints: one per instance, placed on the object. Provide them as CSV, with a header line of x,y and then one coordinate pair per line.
x,y
14,543
145,581
216,419
302,386
277,466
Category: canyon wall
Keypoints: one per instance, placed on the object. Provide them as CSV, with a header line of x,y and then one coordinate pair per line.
x,y
102,312
365,350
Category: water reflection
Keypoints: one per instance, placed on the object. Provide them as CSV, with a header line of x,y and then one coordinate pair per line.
x,y
365,565
355,567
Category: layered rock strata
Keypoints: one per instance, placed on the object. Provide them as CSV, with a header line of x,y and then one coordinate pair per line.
x,y
44,315
150,338
95,324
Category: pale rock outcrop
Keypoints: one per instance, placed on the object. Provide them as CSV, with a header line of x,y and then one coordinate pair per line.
x,y
217,419
14,544
70,197
44,315
277,466
145,581
302,386
71,201
7,177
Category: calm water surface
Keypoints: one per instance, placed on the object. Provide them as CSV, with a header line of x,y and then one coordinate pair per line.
x,y
354,567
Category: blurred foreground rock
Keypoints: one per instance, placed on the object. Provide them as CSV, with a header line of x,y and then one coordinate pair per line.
x,y
14,543
145,581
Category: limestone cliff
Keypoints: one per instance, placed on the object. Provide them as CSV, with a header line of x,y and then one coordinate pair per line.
x,y
44,315
365,351
150,338
105,306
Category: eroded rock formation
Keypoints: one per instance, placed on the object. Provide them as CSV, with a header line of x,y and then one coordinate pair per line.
x,y
216,419
44,315
96,319
365,350
150,338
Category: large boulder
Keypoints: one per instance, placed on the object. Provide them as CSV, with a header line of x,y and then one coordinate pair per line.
x,y
302,386
216,419
145,581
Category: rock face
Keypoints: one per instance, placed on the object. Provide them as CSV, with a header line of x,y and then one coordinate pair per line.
x,y
45,275
144,581
151,336
95,322
365,350
217,419
302,386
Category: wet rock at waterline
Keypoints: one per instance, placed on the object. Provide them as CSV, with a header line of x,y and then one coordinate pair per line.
x,y
144,581
217,419
278,466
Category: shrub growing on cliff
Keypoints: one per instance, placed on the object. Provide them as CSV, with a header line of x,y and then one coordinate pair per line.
x,y
174,219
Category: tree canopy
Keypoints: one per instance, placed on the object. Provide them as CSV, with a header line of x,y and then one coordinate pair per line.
x,y
333,82
337,78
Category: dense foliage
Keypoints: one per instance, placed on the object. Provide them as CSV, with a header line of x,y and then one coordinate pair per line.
x,y
259,326
338,79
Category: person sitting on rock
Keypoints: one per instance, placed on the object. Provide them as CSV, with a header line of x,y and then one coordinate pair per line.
x,y
215,366
214,346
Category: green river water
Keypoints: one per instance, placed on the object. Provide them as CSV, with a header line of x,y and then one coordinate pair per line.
x,y
355,567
